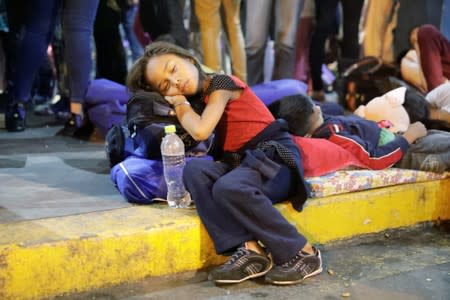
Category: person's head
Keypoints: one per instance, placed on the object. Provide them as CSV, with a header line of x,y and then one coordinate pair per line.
x,y
167,69
416,106
300,112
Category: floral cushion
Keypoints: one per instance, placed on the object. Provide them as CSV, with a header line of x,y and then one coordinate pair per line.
x,y
340,182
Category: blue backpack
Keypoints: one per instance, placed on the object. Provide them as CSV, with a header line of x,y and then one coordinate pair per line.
x,y
133,148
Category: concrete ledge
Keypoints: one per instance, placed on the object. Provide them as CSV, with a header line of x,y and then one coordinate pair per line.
x,y
47,257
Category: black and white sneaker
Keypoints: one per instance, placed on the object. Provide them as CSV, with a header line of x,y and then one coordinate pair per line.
x,y
302,266
242,265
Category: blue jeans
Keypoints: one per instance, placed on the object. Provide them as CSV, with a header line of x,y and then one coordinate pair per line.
x,y
32,33
445,20
128,17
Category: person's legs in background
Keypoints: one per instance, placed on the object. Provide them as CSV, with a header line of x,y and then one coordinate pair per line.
x,y
111,61
350,49
287,14
208,16
445,20
325,22
235,38
128,16
32,25
256,34
78,20
305,29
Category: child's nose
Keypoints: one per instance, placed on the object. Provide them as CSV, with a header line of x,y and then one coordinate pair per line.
x,y
176,82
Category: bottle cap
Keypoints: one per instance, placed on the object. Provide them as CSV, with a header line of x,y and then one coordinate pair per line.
x,y
170,129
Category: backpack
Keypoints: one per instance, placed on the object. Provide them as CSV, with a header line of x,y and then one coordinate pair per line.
x,y
142,131
106,104
364,80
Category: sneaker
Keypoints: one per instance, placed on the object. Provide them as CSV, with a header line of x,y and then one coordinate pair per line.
x,y
15,117
242,265
302,266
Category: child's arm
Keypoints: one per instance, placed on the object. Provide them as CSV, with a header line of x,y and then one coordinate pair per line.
x,y
379,157
373,156
201,127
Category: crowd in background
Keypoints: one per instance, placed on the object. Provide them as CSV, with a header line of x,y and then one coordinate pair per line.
x,y
52,49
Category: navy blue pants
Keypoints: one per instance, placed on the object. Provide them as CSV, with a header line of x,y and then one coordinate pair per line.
x,y
33,24
235,206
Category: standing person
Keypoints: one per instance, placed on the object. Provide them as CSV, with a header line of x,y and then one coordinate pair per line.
x,y
32,25
209,19
258,18
261,166
325,25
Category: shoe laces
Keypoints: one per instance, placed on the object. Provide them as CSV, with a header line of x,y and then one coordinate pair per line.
x,y
300,255
241,251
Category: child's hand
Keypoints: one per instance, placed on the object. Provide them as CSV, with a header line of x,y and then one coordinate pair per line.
x,y
415,131
175,100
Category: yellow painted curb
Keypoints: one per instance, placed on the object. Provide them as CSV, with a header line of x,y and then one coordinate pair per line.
x,y
47,257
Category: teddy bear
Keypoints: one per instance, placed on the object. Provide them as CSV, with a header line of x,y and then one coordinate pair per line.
x,y
388,107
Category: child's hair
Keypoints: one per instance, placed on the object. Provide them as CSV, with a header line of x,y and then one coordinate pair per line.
x,y
416,106
296,110
418,109
136,76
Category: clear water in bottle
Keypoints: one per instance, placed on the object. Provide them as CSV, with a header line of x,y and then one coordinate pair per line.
x,y
172,150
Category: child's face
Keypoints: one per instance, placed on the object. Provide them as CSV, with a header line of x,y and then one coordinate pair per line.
x,y
316,119
172,75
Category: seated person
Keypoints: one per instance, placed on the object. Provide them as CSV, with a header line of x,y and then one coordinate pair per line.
x,y
376,147
434,54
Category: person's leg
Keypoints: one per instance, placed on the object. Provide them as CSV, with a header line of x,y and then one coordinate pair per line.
x,y
256,34
111,60
287,14
32,45
208,16
77,21
249,198
236,39
225,232
351,16
127,21
32,25
325,18
305,29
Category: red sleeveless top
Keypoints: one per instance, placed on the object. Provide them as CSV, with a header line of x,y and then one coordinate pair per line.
x,y
242,119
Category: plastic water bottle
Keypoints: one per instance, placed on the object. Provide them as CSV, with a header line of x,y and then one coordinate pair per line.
x,y
172,150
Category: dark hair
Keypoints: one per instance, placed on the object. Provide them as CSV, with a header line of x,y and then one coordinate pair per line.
x,y
136,76
147,113
296,110
416,106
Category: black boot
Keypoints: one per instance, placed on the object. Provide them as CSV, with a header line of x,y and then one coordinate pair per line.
x,y
15,117
77,127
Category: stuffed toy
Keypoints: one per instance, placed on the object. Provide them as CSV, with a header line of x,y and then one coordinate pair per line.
x,y
388,107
